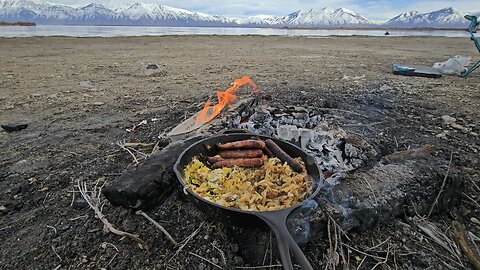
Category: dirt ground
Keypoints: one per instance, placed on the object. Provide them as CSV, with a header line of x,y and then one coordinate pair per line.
x,y
79,95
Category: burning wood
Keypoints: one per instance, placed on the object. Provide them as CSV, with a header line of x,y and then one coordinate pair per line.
x,y
208,113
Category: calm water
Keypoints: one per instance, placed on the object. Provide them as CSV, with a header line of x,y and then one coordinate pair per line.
x,y
114,31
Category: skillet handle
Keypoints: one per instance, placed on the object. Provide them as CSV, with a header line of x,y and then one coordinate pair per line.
x,y
236,131
277,221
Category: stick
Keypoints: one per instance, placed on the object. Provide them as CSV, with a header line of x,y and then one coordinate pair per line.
x,y
130,152
222,254
358,267
138,144
58,256
94,202
364,253
470,198
185,242
461,238
473,182
53,228
205,259
111,260
374,247
160,227
442,187
104,244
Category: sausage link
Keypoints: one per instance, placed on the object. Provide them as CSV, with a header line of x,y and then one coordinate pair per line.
x,y
241,153
240,162
279,153
214,159
246,144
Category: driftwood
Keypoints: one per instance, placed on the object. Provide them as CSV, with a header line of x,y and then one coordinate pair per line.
x,y
151,182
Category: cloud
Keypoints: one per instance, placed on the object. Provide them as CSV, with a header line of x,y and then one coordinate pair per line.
x,y
379,10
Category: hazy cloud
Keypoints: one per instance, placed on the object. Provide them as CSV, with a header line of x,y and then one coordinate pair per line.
x,y
373,9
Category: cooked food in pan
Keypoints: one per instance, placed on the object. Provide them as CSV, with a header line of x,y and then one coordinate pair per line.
x,y
243,177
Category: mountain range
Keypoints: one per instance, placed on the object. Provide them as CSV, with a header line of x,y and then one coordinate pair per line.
x,y
42,12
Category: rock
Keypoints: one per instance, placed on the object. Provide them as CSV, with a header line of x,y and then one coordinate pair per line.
x,y
385,87
98,103
442,135
86,84
447,119
14,127
474,134
460,127
79,203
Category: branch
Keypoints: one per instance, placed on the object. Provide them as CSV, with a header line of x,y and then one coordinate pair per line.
x,y
94,202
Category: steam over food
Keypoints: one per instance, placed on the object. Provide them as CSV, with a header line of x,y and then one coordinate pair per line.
x,y
272,186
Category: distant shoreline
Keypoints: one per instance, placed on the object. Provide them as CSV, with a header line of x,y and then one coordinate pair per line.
x,y
18,24
260,27
373,28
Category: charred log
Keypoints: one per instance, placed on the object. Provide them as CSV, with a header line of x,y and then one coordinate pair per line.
x,y
151,182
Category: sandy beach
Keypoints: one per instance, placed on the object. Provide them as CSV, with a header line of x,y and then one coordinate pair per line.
x,y
78,96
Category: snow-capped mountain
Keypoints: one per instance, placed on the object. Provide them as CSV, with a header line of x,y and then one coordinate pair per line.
x,y
154,14
42,12
257,21
447,18
136,14
325,17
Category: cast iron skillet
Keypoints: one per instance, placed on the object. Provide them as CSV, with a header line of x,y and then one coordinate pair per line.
x,y
275,219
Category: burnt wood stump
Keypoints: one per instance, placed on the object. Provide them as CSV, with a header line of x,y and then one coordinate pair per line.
x,y
151,182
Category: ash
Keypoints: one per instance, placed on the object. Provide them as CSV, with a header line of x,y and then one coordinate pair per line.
x,y
334,149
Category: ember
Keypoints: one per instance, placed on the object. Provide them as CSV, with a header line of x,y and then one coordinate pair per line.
x,y
208,113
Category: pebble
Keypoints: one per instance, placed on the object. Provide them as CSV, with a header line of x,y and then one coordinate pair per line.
x,y
215,260
460,127
442,135
447,119
474,134
79,203
86,84
201,266
385,87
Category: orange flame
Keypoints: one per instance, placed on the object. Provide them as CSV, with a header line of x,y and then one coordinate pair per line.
x,y
208,113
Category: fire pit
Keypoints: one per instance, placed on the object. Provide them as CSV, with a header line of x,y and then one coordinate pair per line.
x,y
366,184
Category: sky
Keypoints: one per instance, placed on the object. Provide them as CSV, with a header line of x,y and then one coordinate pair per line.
x,y
377,10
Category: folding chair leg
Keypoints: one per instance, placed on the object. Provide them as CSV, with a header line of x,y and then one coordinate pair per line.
x,y
477,65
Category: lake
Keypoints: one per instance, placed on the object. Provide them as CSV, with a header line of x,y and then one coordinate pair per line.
x,y
115,31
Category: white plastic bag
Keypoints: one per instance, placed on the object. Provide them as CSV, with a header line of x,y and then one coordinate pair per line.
x,y
453,66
